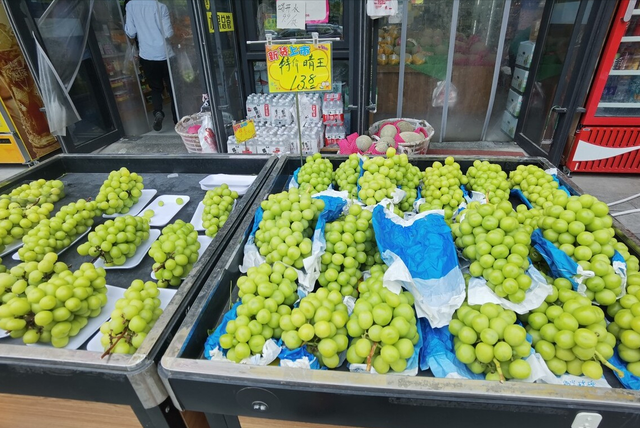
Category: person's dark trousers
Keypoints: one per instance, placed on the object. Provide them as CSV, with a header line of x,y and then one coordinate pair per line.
x,y
157,76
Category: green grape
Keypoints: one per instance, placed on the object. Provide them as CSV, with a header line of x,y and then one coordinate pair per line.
x,y
487,340
488,178
345,177
132,319
539,187
116,240
383,325
37,192
55,305
119,192
315,175
218,204
16,220
287,225
179,201
174,253
441,187
58,232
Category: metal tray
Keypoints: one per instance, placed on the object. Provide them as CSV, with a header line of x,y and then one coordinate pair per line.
x,y
225,390
125,379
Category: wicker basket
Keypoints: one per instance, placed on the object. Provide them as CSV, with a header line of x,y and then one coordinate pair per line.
x,y
420,147
191,141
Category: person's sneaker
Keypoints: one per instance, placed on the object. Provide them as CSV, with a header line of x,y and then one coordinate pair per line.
x,y
157,121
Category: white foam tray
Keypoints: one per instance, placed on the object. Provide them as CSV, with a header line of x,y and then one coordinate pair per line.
x,y
164,214
239,183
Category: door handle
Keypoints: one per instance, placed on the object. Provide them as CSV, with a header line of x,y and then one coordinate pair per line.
x,y
630,7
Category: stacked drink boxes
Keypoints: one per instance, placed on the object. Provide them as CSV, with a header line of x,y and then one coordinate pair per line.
x,y
275,120
333,117
518,85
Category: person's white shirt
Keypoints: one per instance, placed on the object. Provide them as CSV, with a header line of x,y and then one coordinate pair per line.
x,y
148,20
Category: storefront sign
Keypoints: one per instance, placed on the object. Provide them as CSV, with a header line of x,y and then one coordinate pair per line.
x,y
225,21
244,130
299,67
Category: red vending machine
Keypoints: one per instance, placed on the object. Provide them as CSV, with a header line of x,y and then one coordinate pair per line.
x,y
608,139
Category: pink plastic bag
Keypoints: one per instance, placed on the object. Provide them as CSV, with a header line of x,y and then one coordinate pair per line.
x,y
348,145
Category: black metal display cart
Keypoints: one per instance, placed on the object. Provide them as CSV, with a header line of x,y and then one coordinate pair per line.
x,y
125,379
226,390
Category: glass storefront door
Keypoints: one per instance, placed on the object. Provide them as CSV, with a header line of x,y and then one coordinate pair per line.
x,y
85,75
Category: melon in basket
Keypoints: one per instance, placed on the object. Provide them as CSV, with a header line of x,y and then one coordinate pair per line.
x,y
363,142
384,143
388,131
404,126
411,137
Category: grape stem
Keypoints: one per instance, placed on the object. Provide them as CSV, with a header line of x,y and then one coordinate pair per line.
x,y
499,370
608,364
113,345
373,350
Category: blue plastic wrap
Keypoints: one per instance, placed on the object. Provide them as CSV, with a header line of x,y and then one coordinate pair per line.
x,y
560,186
465,192
213,341
298,354
333,206
295,174
257,218
438,355
422,257
629,381
560,264
518,194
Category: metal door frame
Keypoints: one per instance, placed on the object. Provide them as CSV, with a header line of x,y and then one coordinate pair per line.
x,y
25,29
576,84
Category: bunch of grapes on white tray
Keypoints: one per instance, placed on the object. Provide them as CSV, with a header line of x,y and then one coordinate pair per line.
x,y
116,240
174,253
37,192
46,302
119,192
315,175
218,204
16,220
132,319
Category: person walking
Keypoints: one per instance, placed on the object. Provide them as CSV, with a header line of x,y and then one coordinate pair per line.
x,y
148,22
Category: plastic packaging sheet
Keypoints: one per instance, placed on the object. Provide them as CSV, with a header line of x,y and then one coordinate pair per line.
x,y
299,358
252,256
480,293
422,258
560,264
629,381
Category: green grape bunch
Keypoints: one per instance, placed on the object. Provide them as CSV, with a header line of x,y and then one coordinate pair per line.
x,y
16,220
132,319
581,227
116,240
46,302
626,324
351,249
218,204
119,192
315,175
287,225
58,232
539,187
36,192
488,340
571,334
490,179
383,326
346,176
174,253
267,294
498,246
319,323
441,187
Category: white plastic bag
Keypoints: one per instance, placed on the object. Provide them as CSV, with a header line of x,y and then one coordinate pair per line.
x,y
129,66
206,136
437,99
381,8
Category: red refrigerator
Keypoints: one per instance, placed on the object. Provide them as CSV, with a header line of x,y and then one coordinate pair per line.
x,y
608,138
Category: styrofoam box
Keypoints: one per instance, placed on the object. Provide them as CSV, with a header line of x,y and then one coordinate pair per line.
x,y
514,103
519,80
525,53
509,124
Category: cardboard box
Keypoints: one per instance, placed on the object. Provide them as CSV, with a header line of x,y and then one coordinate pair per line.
x,y
514,103
525,53
519,79
509,124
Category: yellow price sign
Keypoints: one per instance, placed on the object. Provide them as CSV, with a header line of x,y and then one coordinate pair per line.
x,y
299,67
244,130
